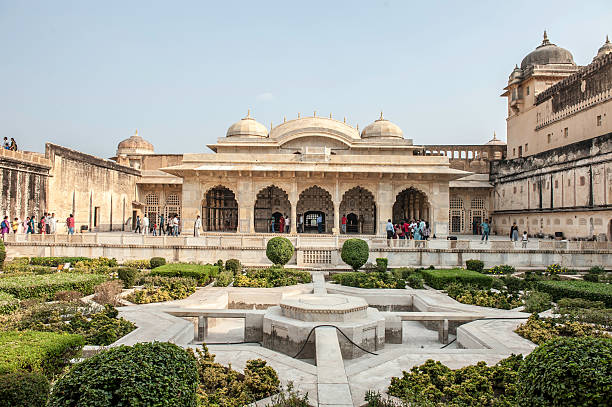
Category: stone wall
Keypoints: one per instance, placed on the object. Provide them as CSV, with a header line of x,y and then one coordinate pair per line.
x,y
568,190
23,179
98,192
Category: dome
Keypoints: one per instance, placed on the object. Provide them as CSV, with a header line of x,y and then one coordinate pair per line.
x,y
382,128
495,141
247,127
547,53
605,49
135,145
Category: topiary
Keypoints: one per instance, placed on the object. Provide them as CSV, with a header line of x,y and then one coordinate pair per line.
x,y
219,264
474,265
567,372
23,389
157,262
2,253
279,250
233,265
146,374
127,275
381,264
355,253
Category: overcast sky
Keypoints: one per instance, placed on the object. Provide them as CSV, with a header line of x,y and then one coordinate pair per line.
x,y
86,74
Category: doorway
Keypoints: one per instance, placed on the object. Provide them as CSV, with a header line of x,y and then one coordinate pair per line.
x,y
352,223
310,221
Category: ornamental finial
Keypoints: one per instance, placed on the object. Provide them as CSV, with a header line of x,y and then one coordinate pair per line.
x,y
545,41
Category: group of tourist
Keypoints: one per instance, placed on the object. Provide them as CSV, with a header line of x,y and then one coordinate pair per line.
x,y
514,235
407,230
160,226
46,225
12,145
283,225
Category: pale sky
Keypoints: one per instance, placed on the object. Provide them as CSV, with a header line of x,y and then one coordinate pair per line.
x,y
86,74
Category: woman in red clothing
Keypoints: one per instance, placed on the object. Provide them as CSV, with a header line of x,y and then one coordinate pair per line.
x,y
281,223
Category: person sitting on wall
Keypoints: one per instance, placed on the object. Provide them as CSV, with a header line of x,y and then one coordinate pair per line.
x,y
13,145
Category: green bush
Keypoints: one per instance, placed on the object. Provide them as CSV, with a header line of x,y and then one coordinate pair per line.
x,y
555,269
138,264
156,262
415,281
219,264
279,250
127,275
43,352
571,304
2,253
539,330
501,269
591,277
23,389
203,274
146,374
597,270
46,285
355,253
381,264
567,372
160,289
474,265
98,265
56,261
8,303
271,277
224,278
536,301
369,280
233,265
438,279
514,284
23,266
575,289
473,295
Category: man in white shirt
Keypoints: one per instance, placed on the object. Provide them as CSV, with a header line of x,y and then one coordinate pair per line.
x,y
145,225
287,224
53,223
197,226
175,225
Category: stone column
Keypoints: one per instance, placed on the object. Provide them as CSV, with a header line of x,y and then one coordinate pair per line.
x,y
191,200
439,209
246,207
384,201
336,229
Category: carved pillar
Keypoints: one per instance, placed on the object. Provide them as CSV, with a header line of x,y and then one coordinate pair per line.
x,y
293,200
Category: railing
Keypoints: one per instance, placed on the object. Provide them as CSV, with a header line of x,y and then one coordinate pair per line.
x,y
570,110
27,156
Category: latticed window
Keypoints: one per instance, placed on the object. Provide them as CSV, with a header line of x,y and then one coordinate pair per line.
x,y
477,203
173,206
152,207
456,203
152,199
456,216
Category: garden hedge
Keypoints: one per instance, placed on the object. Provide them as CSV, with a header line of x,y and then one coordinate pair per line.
x,y
127,275
202,273
157,262
23,389
577,289
233,265
146,374
56,261
355,253
2,253
279,250
46,285
8,303
474,265
438,279
567,372
43,352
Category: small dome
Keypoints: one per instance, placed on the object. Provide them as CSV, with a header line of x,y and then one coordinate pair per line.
x,y
605,49
547,53
382,128
495,141
247,127
135,145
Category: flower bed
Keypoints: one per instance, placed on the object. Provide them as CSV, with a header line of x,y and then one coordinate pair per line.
x,y
539,330
369,280
160,289
55,261
271,277
44,352
438,279
8,303
46,285
202,273
473,295
577,289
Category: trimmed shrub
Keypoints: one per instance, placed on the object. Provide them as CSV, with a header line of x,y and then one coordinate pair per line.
x,y
98,265
572,304
514,284
381,264
55,261
474,265
8,303
501,269
593,278
43,352
160,289
137,264
127,275
536,301
46,285
539,330
355,253
2,253
369,280
67,296
597,270
575,289
224,278
279,250
146,374
469,294
274,276
219,264
567,372
233,265
438,279
23,389
157,262
415,281
203,274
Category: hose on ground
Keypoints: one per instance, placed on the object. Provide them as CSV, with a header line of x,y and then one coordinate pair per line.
x,y
339,330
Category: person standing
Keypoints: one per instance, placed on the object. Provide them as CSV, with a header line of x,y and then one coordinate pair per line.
x,y
271,225
138,229
70,224
162,226
343,227
42,226
301,224
5,227
287,224
514,233
145,224
15,225
197,226
485,231
360,220
53,223
154,228
281,222
30,229
320,223
175,225
524,240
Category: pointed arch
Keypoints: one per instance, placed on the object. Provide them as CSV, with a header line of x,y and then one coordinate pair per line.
x,y
220,210
359,206
315,202
271,202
